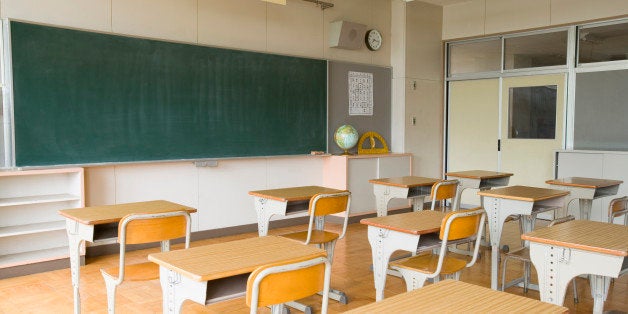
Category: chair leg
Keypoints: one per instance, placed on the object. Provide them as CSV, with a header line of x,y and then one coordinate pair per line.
x,y
575,291
111,293
414,280
526,276
504,262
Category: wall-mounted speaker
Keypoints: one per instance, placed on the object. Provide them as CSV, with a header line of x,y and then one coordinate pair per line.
x,y
346,35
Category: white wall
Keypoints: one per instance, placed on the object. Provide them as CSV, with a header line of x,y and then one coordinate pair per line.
x,y
417,58
485,17
299,28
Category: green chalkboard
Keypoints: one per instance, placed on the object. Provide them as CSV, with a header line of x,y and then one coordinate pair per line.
x,y
84,98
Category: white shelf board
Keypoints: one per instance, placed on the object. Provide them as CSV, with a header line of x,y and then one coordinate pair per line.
x,y
38,199
34,257
32,228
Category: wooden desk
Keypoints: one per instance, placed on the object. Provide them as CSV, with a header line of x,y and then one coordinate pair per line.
x,y
478,179
451,296
99,222
564,251
516,200
586,190
282,202
415,188
397,232
217,272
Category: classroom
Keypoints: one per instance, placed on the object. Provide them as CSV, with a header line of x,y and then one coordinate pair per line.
x,y
444,79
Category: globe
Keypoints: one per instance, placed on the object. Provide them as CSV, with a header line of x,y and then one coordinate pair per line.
x,y
346,137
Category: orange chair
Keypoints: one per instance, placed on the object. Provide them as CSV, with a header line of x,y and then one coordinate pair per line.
x,y
321,207
443,191
618,207
139,229
275,284
457,225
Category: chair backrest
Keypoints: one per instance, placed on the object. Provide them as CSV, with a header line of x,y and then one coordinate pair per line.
x,y
328,204
149,228
460,224
444,190
288,281
618,207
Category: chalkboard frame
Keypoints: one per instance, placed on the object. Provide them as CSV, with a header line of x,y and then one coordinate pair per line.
x,y
307,129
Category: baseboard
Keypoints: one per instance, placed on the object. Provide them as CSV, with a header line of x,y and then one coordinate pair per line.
x,y
34,268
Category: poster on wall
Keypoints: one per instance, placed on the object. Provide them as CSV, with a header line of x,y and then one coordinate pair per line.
x,y
360,93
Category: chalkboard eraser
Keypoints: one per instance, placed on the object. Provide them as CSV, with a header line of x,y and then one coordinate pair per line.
x,y
206,163
317,153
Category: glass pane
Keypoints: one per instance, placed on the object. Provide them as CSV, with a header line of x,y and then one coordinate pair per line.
x,y
603,43
532,112
601,110
475,57
533,51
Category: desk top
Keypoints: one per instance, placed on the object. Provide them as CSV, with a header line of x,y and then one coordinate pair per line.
x,y
405,182
95,215
451,296
584,235
232,258
421,222
478,174
524,193
301,193
588,183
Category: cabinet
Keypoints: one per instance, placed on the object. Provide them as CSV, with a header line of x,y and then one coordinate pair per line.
x,y
31,230
353,173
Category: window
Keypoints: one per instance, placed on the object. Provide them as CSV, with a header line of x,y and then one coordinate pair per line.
x,y
475,57
538,50
603,43
532,112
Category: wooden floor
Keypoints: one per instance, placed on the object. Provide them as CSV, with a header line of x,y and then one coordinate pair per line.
x,y
51,292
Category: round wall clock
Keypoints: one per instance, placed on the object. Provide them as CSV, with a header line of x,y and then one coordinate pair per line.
x,y
373,39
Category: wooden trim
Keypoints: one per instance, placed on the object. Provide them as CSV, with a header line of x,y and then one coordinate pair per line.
x,y
478,174
405,182
524,193
589,183
294,194
584,235
420,222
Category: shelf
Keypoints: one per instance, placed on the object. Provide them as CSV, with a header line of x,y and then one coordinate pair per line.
x,y
38,199
32,228
34,257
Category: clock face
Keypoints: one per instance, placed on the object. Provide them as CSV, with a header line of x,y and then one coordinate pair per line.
x,y
373,39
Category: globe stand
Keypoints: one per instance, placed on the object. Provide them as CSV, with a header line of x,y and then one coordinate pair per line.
x,y
346,153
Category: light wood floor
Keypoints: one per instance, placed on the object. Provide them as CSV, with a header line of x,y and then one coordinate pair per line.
x,y
51,292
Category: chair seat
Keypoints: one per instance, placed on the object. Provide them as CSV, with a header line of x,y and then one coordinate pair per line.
x,y
522,254
427,264
136,272
318,236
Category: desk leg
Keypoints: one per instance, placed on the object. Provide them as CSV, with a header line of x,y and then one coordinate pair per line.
x,y
495,224
265,209
74,239
418,203
599,291
383,243
384,193
176,289
585,208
